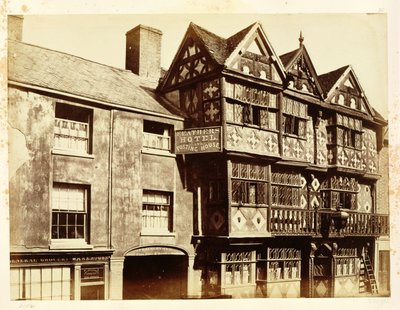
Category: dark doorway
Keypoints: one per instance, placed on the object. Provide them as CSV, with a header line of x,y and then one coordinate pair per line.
x,y
322,277
155,277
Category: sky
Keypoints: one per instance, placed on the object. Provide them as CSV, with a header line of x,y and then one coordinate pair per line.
x,y
332,40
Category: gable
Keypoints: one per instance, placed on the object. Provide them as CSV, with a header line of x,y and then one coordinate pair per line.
x,y
347,92
254,56
191,61
302,75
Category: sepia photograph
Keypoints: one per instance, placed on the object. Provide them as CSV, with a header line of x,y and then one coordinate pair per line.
x,y
198,157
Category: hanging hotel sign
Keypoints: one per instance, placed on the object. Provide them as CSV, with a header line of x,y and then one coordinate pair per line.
x,y
198,140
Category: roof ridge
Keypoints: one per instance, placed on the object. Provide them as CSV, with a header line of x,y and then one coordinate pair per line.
x,y
68,54
344,68
241,33
194,26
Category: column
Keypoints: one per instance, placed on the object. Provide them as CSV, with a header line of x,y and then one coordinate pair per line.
x,y
77,282
116,277
106,281
193,278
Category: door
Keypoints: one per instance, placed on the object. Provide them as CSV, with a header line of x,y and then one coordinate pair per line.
x,y
322,277
155,277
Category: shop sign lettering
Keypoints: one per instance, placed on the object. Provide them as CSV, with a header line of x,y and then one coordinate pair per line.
x,y
199,140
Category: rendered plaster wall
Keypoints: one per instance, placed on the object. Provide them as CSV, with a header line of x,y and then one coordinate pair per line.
x,y
31,123
92,172
126,181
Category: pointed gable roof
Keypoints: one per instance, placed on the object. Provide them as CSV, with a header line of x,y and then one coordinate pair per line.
x,y
242,39
332,80
238,37
219,49
329,79
288,57
214,44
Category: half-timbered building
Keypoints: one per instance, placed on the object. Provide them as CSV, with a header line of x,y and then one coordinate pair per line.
x,y
283,164
235,173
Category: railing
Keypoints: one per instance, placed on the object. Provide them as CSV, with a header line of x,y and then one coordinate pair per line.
x,y
288,221
157,142
367,224
357,224
71,135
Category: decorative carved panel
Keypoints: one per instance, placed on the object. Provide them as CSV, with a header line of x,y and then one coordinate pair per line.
x,y
321,135
294,148
257,65
301,76
369,151
193,64
283,289
364,201
191,102
310,145
212,112
249,94
211,90
245,219
251,140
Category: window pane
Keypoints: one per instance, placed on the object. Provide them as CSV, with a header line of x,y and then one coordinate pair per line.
x,y
46,283
35,284
66,283
16,283
62,219
56,284
62,232
155,211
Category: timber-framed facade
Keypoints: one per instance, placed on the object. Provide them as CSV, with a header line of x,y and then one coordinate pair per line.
x,y
236,173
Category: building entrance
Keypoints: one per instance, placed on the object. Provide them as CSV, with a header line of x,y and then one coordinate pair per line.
x,y
155,277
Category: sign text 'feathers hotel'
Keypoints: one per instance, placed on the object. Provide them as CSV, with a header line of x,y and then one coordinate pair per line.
x,y
198,140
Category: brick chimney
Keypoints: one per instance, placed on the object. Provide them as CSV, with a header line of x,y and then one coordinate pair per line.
x,y
143,52
15,23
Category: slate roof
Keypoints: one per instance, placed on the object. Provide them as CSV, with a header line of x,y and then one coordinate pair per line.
x,y
38,66
287,58
234,40
216,45
327,80
220,48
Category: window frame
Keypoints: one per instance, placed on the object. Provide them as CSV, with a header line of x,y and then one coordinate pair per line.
x,y
73,116
25,283
157,230
150,135
57,213
237,266
291,126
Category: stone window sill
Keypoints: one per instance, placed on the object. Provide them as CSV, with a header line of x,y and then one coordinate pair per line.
x,y
157,234
158,152
70,244
71,153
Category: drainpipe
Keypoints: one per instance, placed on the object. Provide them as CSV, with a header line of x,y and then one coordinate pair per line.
x,y
199,219
110,152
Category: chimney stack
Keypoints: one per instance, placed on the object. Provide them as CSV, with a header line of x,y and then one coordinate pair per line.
x,y
15,23
143,52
